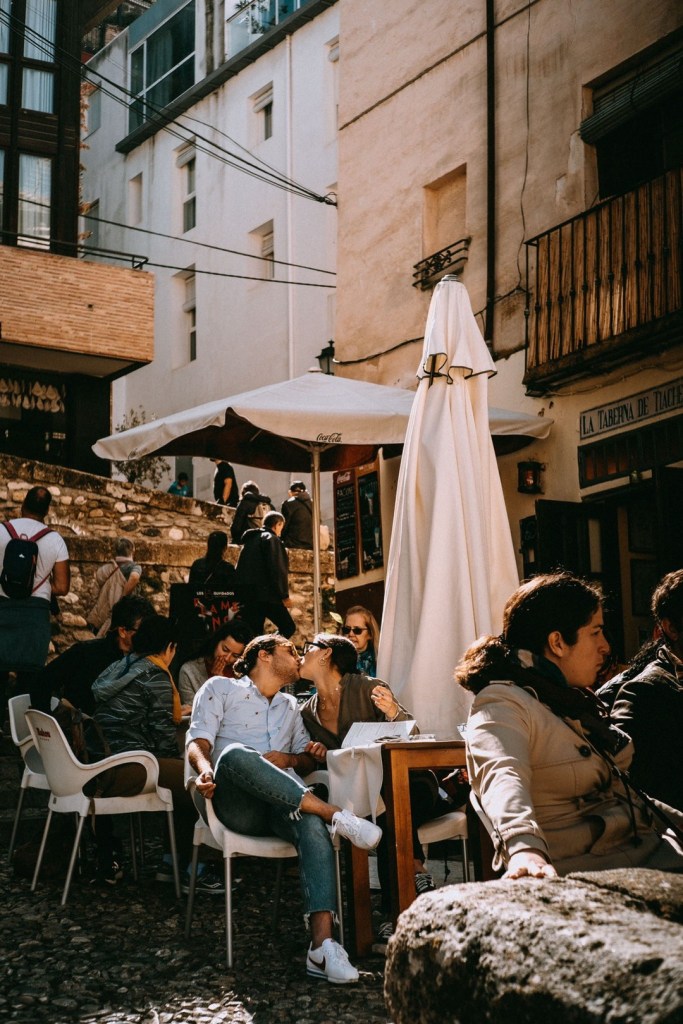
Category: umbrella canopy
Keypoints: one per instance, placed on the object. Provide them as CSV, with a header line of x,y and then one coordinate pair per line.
x,y
451,563
311,423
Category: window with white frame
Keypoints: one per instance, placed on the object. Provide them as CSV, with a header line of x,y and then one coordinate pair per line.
x,y
190,311
187,163
162,66
40,29
135,199
94,112
262,106
35,187
268,252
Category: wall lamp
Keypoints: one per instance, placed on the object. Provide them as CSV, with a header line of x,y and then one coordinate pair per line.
x,y
326,358
529,477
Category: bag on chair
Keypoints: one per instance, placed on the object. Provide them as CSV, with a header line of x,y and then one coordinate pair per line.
x,y
83,734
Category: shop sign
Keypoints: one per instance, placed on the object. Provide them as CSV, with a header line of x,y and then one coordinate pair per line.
x,y
633,409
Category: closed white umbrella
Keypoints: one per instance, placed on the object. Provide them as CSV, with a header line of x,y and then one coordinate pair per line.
x,y
451,563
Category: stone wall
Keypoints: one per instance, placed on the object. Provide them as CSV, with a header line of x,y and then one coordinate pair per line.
x,y
169,533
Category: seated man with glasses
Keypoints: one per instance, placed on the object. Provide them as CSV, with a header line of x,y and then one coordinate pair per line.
x,y
247,743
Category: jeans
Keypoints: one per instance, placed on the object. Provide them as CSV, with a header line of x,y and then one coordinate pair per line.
x,y
255,798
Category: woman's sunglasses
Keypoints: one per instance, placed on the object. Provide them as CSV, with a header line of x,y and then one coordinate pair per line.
x,y
356,630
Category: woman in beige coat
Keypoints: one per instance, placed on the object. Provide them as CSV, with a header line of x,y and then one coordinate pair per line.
x,y
544,759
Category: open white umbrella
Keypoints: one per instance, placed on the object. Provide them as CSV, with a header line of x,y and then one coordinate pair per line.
x,y
451,563
311,423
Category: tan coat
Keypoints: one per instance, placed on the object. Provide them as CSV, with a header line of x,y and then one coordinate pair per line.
x,y
544,788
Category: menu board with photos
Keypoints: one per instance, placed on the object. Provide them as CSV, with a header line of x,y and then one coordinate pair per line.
x,y
345,525
370,520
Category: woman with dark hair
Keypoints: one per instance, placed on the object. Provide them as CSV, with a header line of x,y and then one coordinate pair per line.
x,y
216,658
344,696
362,629
212,570
544,760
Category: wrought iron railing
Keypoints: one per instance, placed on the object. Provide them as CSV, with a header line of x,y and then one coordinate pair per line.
x,y
451,260
603,277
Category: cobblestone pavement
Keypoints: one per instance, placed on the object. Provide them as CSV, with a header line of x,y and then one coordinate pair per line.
x,y
118,955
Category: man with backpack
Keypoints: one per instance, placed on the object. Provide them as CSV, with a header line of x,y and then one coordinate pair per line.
x,y
298,513
250,512
34,567
263,578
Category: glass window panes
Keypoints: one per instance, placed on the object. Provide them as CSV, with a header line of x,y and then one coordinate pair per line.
x,y
163,66
37,89
35,176
2,188
40,31
94,110
4,76
4,25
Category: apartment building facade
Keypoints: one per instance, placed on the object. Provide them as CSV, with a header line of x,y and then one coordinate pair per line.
x,y
534,149
65,328
229,194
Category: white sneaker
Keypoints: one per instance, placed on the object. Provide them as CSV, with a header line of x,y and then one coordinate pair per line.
x,y
331,961
360,832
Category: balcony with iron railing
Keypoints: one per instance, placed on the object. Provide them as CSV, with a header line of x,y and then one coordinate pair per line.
x,y
255,18
449,260
605,287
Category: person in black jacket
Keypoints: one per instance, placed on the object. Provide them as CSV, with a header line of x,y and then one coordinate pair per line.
x,y
250,512
649,707
212,570
263,578
73,672
298,513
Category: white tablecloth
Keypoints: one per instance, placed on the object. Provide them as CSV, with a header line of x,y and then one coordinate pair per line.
x,y
356,778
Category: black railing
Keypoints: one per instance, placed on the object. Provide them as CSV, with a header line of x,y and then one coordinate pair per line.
x,y
602,277
451,260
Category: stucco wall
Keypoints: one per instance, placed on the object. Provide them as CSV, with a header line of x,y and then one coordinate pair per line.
x,y
168,533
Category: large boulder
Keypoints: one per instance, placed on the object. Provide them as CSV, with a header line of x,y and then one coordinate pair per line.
x,y
592,947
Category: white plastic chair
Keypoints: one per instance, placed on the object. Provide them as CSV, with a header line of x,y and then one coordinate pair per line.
x,y
209,831
452,825
34,773
67,777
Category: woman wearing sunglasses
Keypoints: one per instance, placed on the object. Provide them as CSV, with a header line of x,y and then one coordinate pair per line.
x,y
344,696
362,629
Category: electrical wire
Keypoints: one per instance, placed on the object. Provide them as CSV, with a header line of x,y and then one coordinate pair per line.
x,y
71,64
177,238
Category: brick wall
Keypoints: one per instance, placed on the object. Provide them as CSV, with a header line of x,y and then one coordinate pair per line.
x,y
57,302
169,533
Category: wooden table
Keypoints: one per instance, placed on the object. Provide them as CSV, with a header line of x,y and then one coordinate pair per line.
x,y
398,758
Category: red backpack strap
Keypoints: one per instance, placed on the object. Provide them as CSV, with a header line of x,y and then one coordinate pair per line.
x,y
10,529
41,533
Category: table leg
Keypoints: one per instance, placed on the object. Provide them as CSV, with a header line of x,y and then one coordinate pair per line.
x,y
359,899
399,832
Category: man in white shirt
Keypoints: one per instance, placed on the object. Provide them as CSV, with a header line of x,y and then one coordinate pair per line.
x,y
247,743
25,622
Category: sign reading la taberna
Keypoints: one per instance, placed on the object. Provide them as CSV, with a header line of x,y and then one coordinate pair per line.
x,y
633,409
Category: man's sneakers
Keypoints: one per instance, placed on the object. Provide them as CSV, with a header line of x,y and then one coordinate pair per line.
x,y
423,882
358,831
108,873
210,881
384,933
330,961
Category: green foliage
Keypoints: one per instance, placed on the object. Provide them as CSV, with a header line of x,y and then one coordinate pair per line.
x,y
149,469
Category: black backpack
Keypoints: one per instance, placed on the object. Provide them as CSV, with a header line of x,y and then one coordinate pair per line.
x,y
19,564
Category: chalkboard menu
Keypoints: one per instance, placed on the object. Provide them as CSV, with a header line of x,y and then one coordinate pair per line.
x,y
370,521
345,525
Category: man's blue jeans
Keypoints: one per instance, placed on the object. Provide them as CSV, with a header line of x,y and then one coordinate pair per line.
x,y
255,798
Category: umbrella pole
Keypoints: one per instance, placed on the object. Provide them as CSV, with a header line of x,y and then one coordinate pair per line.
x,y
315,494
